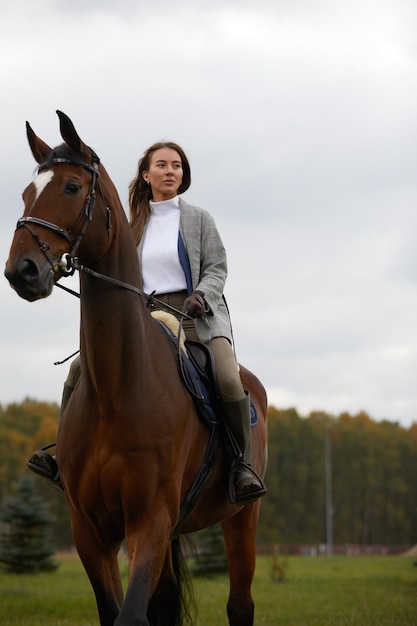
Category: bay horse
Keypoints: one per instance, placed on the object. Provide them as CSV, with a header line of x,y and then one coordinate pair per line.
x,y
129,442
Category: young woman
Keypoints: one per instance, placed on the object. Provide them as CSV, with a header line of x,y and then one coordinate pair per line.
x,y
183,261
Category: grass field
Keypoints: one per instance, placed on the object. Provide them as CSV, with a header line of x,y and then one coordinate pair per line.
x,y
320,591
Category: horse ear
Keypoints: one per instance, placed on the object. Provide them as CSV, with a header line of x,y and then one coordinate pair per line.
x,y
39,148
70,135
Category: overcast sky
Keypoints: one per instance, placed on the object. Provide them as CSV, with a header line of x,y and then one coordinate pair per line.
x,y
300,122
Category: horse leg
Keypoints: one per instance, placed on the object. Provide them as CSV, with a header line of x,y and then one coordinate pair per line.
x,y
102,567
173,597
148,558
239,534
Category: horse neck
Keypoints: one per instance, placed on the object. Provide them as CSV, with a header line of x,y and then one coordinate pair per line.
x,y
115,324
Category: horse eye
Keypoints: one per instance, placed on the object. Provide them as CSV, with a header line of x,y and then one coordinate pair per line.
x,y
72,188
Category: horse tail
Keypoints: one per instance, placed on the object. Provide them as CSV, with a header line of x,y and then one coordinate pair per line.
x,y
185,599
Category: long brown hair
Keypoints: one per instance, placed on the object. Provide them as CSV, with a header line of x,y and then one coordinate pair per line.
x,y
140,192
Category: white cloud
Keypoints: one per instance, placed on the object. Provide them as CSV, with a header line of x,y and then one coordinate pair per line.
x,y
300,124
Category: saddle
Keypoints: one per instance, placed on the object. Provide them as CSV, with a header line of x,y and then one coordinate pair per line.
x,y
197,370
196,366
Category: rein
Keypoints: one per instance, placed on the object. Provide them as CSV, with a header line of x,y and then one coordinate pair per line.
x,y
68,262
85,216
71,264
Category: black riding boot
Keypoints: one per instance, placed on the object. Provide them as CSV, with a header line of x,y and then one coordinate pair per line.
x,y
44,464
248,486
41,462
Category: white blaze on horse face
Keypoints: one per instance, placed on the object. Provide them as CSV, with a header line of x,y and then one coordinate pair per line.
x,y
41,181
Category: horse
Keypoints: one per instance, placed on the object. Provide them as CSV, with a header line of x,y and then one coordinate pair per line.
x,y
129,442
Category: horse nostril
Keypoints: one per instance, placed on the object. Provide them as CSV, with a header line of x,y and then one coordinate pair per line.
x,y
28,270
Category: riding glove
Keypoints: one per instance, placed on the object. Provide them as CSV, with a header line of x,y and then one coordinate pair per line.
x,y
195,305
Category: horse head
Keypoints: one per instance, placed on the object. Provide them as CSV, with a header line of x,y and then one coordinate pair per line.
x,y
59,205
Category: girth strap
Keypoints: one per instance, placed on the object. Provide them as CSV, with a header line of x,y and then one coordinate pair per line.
x,y
200,481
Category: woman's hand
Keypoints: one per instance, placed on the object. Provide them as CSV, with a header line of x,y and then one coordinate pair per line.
x,y
194,305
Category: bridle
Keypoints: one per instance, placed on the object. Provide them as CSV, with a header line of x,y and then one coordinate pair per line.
x,y
82,221
68,262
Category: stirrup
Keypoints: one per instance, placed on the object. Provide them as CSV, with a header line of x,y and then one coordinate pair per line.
x,y
252,492
45,465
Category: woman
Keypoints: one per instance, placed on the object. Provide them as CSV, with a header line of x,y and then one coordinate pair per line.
x,y
183,262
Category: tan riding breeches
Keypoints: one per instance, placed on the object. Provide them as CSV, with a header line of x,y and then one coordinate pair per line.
x,y
227,369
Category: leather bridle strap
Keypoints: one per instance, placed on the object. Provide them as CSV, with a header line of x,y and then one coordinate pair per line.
x,y
24,221
71,264
86,213
68,262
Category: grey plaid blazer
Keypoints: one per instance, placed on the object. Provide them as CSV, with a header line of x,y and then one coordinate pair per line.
x,y
208,264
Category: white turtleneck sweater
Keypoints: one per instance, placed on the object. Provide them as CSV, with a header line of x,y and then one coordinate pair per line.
x,y
161,267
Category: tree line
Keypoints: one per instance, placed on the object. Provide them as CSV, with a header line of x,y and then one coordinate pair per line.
x,y
373,472
24,428
371,475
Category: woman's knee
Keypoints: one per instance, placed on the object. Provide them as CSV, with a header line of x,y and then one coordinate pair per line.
x,y
227,370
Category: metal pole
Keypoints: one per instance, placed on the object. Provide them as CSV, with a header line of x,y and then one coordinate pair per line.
x,y
328,482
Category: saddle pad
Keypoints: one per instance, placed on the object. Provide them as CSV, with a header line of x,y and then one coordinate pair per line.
x,y
205,407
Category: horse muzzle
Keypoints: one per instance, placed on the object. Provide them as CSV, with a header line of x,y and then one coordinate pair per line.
x,y
29,279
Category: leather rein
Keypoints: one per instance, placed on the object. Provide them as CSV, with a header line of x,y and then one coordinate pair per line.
x,y
68,262
85,216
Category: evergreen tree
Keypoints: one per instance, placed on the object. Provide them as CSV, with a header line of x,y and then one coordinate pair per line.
x,y
25,542
211,559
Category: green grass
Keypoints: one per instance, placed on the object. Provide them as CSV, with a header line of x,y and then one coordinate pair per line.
x,y
318,591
